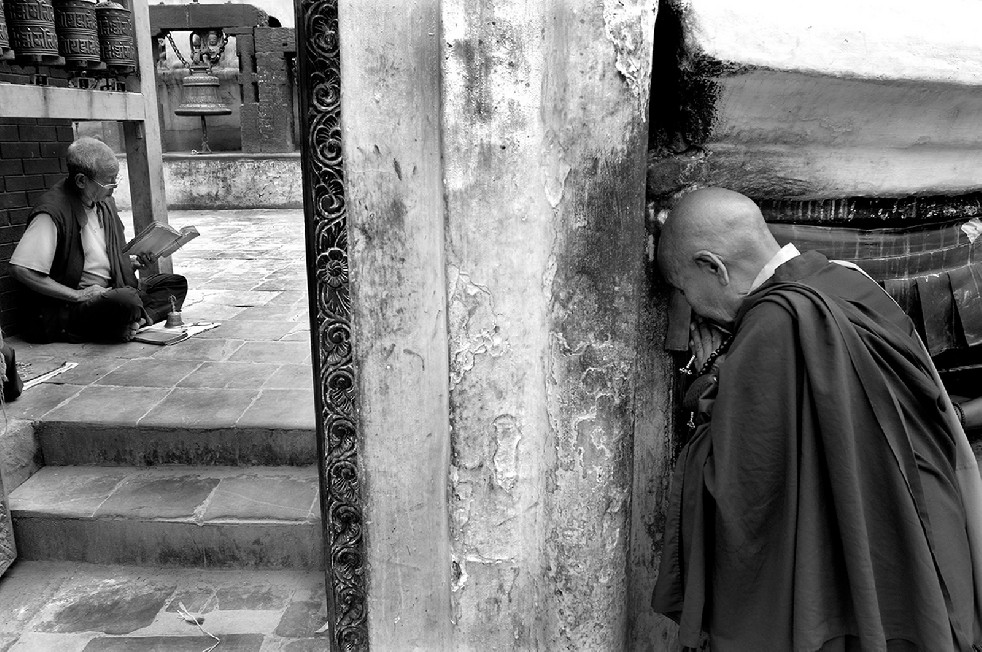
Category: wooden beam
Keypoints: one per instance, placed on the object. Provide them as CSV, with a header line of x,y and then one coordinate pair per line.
x,y
201,16
144,160
25,101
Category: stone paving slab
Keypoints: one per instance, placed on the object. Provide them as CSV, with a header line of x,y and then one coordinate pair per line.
x,y
185,407
232,375
69,491
149,373
192,493
292,408
77,607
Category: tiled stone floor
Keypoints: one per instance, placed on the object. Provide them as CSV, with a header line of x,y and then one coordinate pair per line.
x,y
247,271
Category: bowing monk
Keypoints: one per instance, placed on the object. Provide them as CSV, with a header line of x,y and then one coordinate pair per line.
x,y
827,498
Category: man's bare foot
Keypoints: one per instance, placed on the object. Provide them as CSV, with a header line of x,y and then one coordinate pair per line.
x,y
130,331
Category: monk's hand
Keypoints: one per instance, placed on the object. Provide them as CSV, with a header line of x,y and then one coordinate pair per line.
x,y
703,340
90,292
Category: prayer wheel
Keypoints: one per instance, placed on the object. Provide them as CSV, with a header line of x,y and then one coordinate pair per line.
x,y
32,30
78,37
5,51
115,27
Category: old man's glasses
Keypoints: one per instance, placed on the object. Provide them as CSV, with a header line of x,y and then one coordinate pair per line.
x,y
104,186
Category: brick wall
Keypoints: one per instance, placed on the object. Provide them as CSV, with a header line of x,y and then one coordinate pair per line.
x,y
32,159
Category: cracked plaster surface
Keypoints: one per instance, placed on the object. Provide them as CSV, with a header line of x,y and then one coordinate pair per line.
x,y
473,328
626,24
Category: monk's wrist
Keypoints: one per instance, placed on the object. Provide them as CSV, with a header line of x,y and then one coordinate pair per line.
x,y
959,413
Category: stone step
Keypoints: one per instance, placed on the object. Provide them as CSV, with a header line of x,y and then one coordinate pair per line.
x,y
66,443
203,516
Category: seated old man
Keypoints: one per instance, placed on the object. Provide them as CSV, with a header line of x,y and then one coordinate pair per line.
x,y
827,498
82,286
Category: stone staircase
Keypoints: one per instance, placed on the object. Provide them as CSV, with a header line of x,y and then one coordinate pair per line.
x,y
179,474
161,477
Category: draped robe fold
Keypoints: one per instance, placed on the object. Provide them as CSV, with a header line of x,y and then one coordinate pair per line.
x,y
820,506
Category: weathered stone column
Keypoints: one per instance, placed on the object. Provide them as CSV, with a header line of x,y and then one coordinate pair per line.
x,y
544,141
495,161
391,139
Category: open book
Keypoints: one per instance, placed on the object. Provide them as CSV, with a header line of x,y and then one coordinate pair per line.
x,y
159,240
160,334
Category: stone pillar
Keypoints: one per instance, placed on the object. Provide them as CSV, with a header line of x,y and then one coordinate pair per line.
x,y
544,132
495,173
390,108
274,117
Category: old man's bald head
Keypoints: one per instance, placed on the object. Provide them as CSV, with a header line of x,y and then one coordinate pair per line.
x,y
712,246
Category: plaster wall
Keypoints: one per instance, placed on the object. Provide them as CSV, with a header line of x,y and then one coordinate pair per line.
x,y
869,99
874,39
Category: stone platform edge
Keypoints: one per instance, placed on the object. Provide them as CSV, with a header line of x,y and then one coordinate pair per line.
x,y
65,443
222,181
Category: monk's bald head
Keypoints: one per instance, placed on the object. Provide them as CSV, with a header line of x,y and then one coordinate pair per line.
x,y
714,219
719,232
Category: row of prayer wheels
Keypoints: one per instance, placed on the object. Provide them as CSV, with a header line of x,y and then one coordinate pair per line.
x,y
78,34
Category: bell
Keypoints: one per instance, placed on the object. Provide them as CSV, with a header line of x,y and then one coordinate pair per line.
x,y
200,92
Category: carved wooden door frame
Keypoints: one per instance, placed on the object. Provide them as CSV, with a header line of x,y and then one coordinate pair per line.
x,y
325,217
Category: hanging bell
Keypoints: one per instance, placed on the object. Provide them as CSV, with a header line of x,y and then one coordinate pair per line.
x,y
201,99
200,94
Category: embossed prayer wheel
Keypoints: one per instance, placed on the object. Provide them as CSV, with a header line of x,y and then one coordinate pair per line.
x,y
78,38
116,42
5,51
32,29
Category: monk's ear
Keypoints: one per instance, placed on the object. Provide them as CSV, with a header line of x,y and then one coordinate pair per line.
x,y
710,263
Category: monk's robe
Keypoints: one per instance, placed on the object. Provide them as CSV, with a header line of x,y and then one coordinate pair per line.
x,y
817,507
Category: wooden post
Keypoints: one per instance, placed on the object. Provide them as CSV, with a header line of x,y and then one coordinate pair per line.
x,y
249,111
142,139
